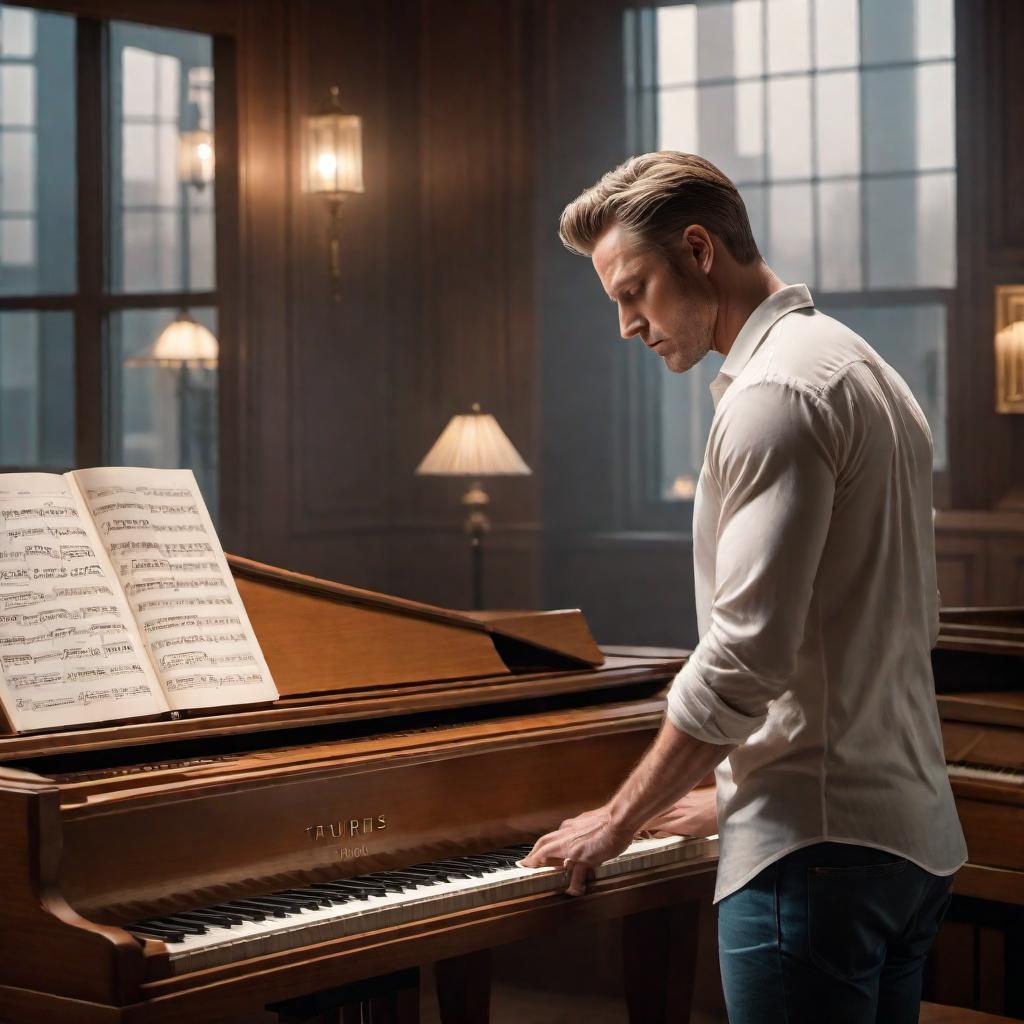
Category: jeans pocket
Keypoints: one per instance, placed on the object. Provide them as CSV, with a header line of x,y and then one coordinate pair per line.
x,y
850,912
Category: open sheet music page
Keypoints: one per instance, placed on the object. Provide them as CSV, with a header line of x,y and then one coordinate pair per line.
x,y
70,651
162,544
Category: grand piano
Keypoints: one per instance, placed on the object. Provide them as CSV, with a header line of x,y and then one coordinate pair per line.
x,y
979,676
308,856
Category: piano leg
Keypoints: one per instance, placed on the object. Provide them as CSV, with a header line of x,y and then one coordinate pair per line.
x,y
659,950
464,988
389,999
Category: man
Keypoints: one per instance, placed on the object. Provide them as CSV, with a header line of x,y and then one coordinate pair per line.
x,y
817,609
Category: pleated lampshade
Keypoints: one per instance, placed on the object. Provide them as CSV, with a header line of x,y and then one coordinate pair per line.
x,y
473,445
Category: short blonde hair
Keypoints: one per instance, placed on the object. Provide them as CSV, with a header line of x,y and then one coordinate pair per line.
x,y
656,196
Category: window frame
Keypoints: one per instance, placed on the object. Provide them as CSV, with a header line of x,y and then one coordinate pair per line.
x,y
642,503
93,302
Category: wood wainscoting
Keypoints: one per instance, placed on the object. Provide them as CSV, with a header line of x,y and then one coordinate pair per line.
x,y
980,557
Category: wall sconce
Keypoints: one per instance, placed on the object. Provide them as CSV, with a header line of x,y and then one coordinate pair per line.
x,y
195,150
332,163
195,158
1010,348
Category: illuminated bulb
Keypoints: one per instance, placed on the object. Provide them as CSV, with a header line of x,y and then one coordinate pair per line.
x,y
326,164
205,150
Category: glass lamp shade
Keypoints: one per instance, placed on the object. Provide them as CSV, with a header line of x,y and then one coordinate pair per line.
x,y
1010,368
473,445
196,158
332,153
184,342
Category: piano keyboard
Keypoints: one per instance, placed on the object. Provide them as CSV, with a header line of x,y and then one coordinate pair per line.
x,y
985,773
245,928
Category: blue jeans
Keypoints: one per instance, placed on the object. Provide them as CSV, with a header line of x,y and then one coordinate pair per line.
x,y
830,934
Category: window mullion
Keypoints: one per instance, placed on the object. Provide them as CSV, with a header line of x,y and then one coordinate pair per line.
x,y
91,149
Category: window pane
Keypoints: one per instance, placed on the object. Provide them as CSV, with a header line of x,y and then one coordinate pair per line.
x,y
837,120
911,231
909,118
789,127
17,172
37,390
686,413
161,87
18,96
912,340
17,32
936,117
789,43
791,234
933,29
37,152
677,44
839,216
164,416
910,30
836,33
723,123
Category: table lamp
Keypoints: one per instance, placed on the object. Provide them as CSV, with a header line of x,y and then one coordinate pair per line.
x,y
474,446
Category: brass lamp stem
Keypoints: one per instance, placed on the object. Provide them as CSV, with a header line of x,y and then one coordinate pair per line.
x,y
476,526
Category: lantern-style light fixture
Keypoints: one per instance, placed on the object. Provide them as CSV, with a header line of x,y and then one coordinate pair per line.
x,y
1009,344
195,158
332,167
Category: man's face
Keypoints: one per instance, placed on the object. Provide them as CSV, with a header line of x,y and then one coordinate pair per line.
x,y
671,308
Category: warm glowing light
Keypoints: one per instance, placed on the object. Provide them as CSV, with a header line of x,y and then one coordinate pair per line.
x,y
196,158
326,165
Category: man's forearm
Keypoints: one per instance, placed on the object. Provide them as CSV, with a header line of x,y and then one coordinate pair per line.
x,y
673,765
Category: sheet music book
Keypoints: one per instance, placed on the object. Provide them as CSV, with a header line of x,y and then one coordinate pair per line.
x,y
116,601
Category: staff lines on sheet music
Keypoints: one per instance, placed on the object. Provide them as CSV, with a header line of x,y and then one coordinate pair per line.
x,y
171,661
141,565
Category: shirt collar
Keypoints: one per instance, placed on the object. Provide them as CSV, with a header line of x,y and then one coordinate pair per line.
x,y
752,333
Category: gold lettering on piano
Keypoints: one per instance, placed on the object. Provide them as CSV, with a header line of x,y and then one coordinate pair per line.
x,y
349,829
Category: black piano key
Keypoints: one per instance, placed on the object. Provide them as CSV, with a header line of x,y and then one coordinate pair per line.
x,y
175,922
246,913
154,932
319,899
390,883
296,902
485,862
356,892
430,874
260,903
444,872
360,892
208,917
333,896
411,877
470,870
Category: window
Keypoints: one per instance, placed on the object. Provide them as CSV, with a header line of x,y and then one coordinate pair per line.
x,y
835,118
101,109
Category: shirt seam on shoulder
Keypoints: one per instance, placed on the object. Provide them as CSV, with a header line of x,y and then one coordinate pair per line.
x,y
816,393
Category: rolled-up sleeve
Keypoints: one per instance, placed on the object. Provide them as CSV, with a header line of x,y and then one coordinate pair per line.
x,y
773,455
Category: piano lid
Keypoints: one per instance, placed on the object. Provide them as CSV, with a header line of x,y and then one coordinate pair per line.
x,y
324,637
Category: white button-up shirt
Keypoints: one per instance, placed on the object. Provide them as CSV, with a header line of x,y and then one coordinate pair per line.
x,y
817,606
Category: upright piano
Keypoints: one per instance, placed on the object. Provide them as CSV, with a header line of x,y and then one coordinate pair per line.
x,y
309,855
979,676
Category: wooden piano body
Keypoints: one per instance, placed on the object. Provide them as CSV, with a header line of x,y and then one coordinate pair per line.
x,y
404,733
979,674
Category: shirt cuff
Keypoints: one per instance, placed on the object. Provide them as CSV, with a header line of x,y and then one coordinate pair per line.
x,y
696,709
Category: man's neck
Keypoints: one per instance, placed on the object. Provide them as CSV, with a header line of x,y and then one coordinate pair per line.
x,y
751,286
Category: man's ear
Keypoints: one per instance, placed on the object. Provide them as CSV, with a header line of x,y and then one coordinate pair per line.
x,y
700,245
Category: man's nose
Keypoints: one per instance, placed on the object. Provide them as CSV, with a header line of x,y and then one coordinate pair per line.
x,y
631,324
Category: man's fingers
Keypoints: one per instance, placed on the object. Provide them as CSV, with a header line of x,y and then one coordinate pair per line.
x,y
578,874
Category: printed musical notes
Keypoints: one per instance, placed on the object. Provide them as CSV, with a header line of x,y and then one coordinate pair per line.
x,y
165,553
67,639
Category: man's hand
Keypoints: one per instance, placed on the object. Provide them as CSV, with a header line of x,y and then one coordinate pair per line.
x,y
580,845
693,815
